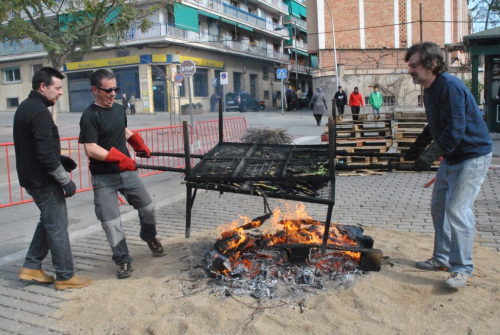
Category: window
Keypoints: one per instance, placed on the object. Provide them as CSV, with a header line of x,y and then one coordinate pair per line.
x,y
266,95
37,68
200,83
265,73
12,102
11,75
389,101
127,79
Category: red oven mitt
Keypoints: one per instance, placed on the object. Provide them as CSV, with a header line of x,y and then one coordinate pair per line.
x,y
139,146
125,163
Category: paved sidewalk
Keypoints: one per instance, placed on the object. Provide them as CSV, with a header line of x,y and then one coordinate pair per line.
x,y
396,200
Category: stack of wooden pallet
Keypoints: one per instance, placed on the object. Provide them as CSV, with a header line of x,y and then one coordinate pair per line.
x,y
366,135
408,125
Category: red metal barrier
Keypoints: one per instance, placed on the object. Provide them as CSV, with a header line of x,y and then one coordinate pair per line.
x,y
166,139
207,132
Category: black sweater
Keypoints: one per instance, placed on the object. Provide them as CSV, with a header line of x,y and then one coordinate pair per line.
x,y
36,141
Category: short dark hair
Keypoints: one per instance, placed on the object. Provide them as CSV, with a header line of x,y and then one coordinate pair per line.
x,y
340,87
375,86
428,52
97,77
44,75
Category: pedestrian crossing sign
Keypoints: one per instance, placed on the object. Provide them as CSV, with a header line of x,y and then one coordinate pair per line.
x,y
281,73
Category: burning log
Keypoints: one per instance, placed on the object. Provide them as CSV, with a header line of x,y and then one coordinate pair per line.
x,y
255,223
234,244
217,263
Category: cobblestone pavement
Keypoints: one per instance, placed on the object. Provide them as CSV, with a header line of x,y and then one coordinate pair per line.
x,y
396,200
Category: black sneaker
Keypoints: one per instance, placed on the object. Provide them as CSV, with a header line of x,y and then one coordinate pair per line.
x,y
156,248
124,270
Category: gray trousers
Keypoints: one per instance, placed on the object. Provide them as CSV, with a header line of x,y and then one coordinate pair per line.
x,y
106,188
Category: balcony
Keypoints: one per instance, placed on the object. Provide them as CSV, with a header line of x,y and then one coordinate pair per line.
x,y
296,44
298,22
166,33
239,15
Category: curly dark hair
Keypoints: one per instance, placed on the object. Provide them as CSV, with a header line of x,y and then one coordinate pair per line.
x,y
428,53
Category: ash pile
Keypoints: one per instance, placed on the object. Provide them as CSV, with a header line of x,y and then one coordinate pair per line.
x,y
287,263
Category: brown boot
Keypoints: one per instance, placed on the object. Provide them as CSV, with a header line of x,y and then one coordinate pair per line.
x,y
36,275
75,282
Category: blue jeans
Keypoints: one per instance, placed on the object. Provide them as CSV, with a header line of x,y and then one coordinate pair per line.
x,y
51,233
106,188
455,190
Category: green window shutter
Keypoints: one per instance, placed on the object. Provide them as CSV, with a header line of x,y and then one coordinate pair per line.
x,y
213,16
302,53
303,11
245,27
295,9
186,17
314,61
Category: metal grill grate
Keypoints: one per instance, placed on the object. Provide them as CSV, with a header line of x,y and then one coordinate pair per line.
x,y
257,168
217,168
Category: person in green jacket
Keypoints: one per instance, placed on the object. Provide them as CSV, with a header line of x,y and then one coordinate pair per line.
x,y
376,100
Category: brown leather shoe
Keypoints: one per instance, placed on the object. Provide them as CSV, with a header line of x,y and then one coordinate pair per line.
x,y
75,282
36,275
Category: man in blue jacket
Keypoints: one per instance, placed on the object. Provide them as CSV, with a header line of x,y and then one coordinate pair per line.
x,y
462,139
43,172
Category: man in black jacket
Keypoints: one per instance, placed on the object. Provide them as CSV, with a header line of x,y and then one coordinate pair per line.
x,y
43,172
340,101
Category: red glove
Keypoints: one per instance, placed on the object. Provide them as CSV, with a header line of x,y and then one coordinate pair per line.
x,y
139,146
125,163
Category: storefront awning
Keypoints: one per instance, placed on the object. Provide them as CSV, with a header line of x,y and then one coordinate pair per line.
x,y
242,26
186,17
213,16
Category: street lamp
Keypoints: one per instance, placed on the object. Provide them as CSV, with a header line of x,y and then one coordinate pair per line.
x,y
334,49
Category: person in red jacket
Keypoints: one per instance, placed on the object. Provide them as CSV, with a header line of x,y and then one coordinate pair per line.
x,y
356,102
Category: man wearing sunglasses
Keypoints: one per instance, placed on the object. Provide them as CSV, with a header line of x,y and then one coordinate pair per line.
x,y
462,139
104,133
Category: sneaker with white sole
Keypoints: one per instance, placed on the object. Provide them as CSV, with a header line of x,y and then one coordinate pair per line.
x,y
432,265
457,280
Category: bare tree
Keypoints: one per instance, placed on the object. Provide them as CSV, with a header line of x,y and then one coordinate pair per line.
x,y
487,12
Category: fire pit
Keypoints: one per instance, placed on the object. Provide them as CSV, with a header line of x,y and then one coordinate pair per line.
x,y
253,260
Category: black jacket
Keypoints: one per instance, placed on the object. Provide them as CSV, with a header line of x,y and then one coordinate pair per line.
x,y
341,98
36,141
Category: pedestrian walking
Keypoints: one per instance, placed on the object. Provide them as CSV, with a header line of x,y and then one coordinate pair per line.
x,y
318,105
460,134
124,102
213,102
44,173
376,100
289,95
275,97
104,134
340,101
356,102
131,104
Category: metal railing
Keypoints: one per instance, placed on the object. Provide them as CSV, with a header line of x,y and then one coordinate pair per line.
x,y
163,139
165,30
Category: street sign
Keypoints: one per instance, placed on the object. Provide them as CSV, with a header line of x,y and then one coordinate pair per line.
x,y
214,81
281,73
188,68
178,78
223,78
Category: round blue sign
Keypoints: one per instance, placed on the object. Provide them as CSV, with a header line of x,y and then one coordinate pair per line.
x,y
223,75
178,78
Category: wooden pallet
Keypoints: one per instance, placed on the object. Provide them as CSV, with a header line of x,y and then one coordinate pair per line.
x,y
361,160
406,135
409,126
403,143
374,150
365,143
404,116
368,117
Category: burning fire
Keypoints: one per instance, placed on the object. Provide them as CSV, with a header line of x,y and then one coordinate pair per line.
x,y
291,227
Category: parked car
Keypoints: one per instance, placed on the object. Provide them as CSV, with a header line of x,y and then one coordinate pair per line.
x,y
243,101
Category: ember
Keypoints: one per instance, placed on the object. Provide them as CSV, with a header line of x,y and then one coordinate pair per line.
x,y
290,252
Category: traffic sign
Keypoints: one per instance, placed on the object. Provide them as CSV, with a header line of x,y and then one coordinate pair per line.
x,y
178,78
223,78
188,68
214,81
281,73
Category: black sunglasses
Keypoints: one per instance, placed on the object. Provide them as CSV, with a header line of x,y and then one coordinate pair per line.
x,y
108,90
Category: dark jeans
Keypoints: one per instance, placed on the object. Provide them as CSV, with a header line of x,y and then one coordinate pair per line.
x,y
106,188
355,112
275,104
51,233
340,109
132,109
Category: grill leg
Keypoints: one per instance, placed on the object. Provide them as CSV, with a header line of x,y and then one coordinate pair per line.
x,y
327,228
189,206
